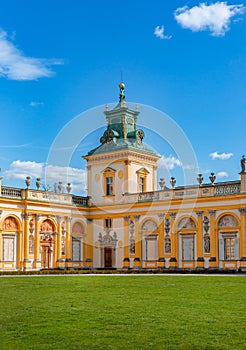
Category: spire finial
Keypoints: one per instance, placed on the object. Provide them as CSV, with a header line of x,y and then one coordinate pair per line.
x,y
122,93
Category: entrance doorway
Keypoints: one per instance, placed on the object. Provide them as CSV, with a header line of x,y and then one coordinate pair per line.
x,y
45,256
108,257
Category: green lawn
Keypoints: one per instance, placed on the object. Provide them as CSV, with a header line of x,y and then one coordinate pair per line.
x,y
123,312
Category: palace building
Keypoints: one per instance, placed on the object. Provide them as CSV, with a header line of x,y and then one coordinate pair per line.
x,y
124,222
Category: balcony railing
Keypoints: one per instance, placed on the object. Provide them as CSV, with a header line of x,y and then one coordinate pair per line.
x,y
43,196
81,201
185,192
227,189
11,192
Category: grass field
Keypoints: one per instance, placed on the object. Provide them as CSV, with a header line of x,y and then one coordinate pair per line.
x,y
123,312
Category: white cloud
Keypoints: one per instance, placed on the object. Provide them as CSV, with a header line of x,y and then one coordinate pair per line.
x,y
65,174
221,174
35,104
49,174
221,156
14,65
159,33
19,170
169,162
215,17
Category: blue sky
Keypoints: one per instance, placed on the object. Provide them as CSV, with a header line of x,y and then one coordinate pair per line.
x,y
60,58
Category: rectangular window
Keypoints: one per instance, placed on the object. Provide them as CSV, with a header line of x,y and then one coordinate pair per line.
x,y
229,248
151,245
9,248
108,223
109,186
188,248
141,184
76,249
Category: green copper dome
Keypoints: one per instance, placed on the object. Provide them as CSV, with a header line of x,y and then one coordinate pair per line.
x,y
121,132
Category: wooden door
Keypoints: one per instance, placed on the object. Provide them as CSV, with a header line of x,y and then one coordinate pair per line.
x,y
107,257
45,257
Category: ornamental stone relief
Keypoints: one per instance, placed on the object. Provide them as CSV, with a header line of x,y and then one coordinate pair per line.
x,y
227,221
46,226
186,223
107,240
132,239
149,226
167,246
31,225
78,228
206,243
10,224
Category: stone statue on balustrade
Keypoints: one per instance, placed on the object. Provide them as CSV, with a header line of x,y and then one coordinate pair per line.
x,y
243,164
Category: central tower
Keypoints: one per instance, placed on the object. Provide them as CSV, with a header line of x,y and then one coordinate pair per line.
x,y
122,163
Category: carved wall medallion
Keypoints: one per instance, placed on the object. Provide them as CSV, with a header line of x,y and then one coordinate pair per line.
x,y
97,177
120,174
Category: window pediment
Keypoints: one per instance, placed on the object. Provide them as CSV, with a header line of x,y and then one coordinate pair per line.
x,y
108,170
142,171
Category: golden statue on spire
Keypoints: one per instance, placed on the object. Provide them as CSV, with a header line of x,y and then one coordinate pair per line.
x,y
122,93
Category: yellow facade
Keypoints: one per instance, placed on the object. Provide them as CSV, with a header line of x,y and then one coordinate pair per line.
x,y
125,222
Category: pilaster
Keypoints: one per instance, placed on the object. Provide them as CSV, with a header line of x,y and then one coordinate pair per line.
x,y
243,181
89,244
126,260
199,240
26,260
69,240
138,243
59,231
213,261
127,175
174,252
37,261
89,180
161,260
243,238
